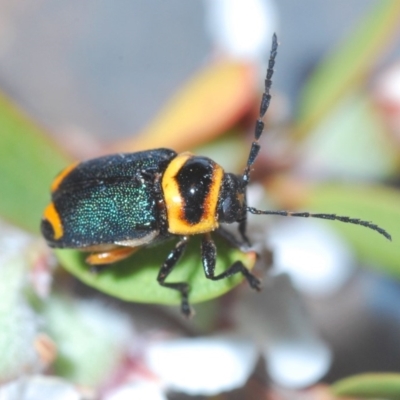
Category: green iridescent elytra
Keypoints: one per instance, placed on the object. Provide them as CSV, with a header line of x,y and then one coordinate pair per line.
x,y
108,199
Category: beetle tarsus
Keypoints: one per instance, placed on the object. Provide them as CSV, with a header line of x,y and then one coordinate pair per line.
x,y
97,269
186,309
166,269
208,256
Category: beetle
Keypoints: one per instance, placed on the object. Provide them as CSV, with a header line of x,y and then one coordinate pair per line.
x,y
114,205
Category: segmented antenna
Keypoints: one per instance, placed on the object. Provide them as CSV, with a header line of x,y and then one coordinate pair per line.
x,y
332,217
266,98
255,148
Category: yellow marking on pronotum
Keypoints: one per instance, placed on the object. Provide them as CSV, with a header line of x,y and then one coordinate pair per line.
x,y
60,177
177,224
51,215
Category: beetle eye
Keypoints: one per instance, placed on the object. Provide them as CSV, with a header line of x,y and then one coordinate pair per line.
x,y
229,210
226,205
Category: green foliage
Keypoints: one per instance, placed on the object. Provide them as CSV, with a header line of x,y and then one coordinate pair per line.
x,y
28,163
347,67
371,203
369,386
91,338
135,279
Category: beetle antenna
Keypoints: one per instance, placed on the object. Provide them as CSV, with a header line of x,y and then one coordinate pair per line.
x,y
332,217
266,98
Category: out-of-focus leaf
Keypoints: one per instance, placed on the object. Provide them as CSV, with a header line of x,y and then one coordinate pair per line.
x,y
351,142
28,163
376,386
99,333
222,149
210,103
371,203
135,279
348,66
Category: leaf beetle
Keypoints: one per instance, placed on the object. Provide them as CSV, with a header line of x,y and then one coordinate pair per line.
x,y
113,205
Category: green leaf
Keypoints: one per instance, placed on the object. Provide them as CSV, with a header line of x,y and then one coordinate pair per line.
x,y
221,149
90,352
135,279
29,161
372,203
28,164
348,66
382,386
211,102
351,141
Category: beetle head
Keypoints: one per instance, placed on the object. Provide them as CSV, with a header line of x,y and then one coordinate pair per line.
x,y
232,199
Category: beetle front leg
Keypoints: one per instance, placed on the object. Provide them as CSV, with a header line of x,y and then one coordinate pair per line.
x,y
231,239
242,231
209,256
165,270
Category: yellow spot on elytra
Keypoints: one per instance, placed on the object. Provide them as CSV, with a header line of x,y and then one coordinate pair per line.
x,y
51,215
60,177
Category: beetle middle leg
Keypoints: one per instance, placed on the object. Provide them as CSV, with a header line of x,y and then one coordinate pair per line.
x,y
165,270
110,256
232,240
209,256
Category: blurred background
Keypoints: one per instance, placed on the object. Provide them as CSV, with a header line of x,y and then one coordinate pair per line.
x,y
108,69
99,77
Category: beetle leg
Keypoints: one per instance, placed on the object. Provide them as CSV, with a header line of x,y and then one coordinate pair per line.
x,y
110,256
165,270
209,256
231,239
242,231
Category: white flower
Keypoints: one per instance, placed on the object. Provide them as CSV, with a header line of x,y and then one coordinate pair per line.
x,y
38,388
202,366
242,28
317,259
138,391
